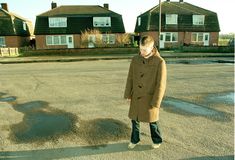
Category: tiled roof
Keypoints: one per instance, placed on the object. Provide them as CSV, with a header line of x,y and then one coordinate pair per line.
x,y
77,10
79,19
12,24
149,19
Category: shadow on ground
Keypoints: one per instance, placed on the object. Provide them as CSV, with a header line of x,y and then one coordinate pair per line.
x,y
69,152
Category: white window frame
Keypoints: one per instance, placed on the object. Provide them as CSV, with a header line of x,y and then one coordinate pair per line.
x,y
2,42
24,26
199,37
108,38
56,40
57,22
172,34
139,21
101,21
171,18
198,19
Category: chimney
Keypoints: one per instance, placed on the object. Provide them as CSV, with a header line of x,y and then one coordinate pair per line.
x,y
53,5
106,5
181,1
4,6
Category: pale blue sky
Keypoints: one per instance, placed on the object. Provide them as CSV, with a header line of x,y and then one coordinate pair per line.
x,y
129,9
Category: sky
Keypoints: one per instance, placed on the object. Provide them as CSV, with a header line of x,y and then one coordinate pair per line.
x,y
129,9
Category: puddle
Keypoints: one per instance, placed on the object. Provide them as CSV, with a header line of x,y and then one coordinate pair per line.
x,y
227,98
7,99
199,61
189,107
41,122
103,130
42,126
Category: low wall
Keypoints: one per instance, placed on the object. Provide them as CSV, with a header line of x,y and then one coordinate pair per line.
x,y
208,49
81,51
6,52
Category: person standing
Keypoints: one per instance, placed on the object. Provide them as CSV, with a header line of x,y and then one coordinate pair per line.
x,y
145,88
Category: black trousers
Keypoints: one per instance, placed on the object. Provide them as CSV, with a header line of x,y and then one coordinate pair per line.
x,y
154,130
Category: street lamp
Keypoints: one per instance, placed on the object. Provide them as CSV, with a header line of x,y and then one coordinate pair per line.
x,y
159,27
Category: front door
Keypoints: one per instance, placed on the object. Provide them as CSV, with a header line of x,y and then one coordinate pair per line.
x,y
70,43
162,40
206,39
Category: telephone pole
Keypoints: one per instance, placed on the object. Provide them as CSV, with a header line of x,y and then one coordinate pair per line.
x,y
159,27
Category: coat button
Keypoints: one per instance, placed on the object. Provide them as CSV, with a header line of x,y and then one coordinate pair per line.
x,y
138,97
139,86
142,75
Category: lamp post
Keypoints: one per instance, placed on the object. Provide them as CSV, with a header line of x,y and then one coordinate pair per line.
x,y
159,27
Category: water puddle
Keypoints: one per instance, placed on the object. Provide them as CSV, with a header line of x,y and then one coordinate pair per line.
x,y
227,98
7,99
42,123
199,61
189,107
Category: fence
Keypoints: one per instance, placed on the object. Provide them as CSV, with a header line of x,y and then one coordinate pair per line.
x,y
6,52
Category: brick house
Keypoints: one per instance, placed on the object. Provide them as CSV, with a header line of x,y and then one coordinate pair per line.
x,y
78,26
181,24
15,31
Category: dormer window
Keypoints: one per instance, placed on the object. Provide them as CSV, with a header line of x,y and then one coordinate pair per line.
x,y
57,22
139,21
24,26
171,19
198,19
102,21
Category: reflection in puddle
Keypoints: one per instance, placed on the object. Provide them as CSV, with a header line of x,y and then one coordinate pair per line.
x,y
189,107
227,98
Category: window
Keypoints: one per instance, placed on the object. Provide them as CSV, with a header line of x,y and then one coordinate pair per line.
x,y
171,37
101,21
56,40
57,22
2,42
171,19
49,40
168,37
139,21
63,39
198,19
24,26
197,37
108,38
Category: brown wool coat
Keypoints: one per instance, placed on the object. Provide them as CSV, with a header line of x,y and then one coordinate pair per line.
x,y
145,86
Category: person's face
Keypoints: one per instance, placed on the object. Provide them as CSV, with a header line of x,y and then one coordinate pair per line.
x,y
146,50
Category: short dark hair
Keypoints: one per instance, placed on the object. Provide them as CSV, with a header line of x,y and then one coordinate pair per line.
x,y
145,40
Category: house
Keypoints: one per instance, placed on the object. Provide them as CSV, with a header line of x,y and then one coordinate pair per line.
x,y
15,31
78,26
181,24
